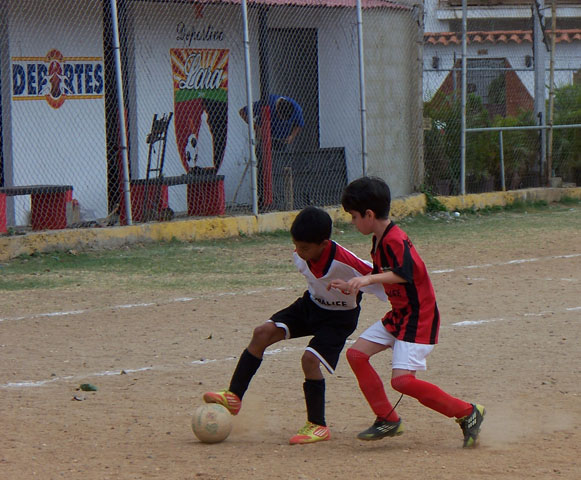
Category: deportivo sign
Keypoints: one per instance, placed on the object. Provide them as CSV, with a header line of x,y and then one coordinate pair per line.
x,y
56,78
200,85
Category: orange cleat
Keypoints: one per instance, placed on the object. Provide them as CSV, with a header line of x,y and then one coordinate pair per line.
x,y
225,398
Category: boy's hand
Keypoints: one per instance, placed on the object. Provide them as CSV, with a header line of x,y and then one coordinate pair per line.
x,y
339,285
351,287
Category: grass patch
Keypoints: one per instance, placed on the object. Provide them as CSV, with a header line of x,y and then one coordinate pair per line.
x,y
262,260
566,200
201,265
522,206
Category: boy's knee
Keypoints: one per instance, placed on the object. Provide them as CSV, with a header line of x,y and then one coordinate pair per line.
x,y
355,357
403,383
310,363
263,334
310,359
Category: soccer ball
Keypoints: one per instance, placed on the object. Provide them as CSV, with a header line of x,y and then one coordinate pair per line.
x,y
212,423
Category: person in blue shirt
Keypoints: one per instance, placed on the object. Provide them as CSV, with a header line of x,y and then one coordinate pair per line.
x,y
286,119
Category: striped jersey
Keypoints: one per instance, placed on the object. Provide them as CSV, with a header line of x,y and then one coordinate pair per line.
x,y
336,262
414,315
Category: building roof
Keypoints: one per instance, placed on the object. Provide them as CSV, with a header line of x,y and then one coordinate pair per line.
x,y
498,36
395,4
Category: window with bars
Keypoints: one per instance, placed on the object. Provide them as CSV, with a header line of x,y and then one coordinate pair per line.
x,y
486,78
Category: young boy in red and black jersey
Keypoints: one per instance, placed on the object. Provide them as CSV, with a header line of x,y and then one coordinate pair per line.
x,y
329,315
410,328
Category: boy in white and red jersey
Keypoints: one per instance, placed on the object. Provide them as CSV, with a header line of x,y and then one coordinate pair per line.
x,y
410,328
330,316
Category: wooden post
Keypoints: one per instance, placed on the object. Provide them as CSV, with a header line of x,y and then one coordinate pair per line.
x,y
289,201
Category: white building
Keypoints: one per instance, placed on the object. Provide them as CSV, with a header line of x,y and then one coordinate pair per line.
x,y
496,33
60,121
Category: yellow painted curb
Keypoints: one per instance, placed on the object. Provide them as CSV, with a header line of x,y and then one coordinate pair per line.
x,y
221,227
501,199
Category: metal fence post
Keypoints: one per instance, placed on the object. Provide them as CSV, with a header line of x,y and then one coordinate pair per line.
x,y
539,61
251,141
362,89
501,148
463,107
551,91
121,108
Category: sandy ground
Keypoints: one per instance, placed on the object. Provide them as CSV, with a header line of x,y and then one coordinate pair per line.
x,y
509,340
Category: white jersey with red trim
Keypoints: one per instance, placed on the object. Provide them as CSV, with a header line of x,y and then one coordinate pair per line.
x,y
340,264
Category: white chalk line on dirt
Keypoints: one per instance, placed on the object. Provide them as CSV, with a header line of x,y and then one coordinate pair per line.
x,y
142,305
106,373
544,313
271,289
509,262
270,351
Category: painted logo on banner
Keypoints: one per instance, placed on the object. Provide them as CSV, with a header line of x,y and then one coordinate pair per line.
x,y
200,85
56,78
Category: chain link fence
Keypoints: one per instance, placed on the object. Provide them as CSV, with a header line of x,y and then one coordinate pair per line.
x,y
52,80
331,100
501,95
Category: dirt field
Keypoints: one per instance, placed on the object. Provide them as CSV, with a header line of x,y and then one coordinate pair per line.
x,y
511,324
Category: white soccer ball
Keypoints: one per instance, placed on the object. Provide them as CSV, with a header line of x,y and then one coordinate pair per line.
x,y
212,423
192,151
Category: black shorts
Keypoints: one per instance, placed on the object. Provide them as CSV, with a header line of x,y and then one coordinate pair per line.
x,y
330,328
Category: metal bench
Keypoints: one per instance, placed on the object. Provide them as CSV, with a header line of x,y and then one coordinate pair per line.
x,y
205,195
149,196
48,205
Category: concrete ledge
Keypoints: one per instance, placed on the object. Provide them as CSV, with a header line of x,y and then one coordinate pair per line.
x,y
222,227
491,199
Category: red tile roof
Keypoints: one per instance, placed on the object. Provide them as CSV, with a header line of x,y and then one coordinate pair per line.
x,y
498,36
311,3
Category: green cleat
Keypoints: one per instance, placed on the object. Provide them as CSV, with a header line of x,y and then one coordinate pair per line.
x,y
311,433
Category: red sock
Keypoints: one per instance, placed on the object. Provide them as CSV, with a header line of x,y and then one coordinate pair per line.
x,y
431,396
371,385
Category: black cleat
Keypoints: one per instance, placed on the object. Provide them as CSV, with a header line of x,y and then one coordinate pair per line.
x,y
470,425
381,428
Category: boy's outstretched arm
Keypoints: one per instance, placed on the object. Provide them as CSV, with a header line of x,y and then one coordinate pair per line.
x,y
357,283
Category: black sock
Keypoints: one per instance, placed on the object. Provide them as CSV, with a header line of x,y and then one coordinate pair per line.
x,y
247,366
315,400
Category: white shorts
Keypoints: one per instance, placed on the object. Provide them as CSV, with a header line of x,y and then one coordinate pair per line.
x,y
406,356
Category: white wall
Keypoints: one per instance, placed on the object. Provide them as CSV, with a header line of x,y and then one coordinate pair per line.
x,y
338,57
338,80
431,22
155,34
394,111
65,145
